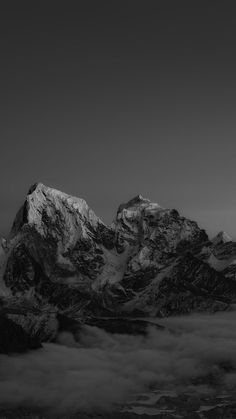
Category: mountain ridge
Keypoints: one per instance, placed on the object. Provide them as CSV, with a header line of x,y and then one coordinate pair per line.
x,y
151,261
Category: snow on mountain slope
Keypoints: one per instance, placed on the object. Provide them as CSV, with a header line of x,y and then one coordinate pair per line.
x,y
59,233
221,255
113,269
151,260
221,264
221,237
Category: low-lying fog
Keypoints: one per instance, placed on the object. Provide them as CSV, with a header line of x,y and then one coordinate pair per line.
x,y
105,370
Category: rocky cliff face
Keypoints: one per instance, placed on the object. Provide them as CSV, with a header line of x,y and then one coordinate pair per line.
x,y
150,261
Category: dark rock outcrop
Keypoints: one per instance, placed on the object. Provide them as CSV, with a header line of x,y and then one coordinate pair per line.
x,y
13,338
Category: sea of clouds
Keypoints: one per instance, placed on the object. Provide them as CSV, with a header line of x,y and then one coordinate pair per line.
x,y
102,371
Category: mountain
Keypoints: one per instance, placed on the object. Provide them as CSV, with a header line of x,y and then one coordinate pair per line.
x,y
222,237
61,259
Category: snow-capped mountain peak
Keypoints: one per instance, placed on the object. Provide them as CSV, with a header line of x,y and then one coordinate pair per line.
x,y
149,261
221,237
44,205
137,203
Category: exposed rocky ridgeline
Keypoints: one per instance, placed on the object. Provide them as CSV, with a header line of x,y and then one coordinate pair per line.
x,y
61,259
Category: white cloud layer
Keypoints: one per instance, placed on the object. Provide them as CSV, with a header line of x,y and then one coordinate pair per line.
x,y
105,370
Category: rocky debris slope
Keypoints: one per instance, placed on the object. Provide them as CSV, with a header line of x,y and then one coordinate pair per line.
x,y
61,259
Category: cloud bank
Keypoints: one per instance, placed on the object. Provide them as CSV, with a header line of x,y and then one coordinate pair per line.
x,y
102,371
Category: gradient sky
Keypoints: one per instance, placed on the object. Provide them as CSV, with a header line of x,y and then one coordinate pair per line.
x,y
110,99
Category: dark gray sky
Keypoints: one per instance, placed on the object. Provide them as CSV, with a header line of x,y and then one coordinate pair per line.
x,y
109,99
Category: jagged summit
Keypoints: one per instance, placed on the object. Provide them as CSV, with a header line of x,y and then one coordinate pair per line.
x,y
150,261
138,199
35,186
137,203
44,204
221,237
43,191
